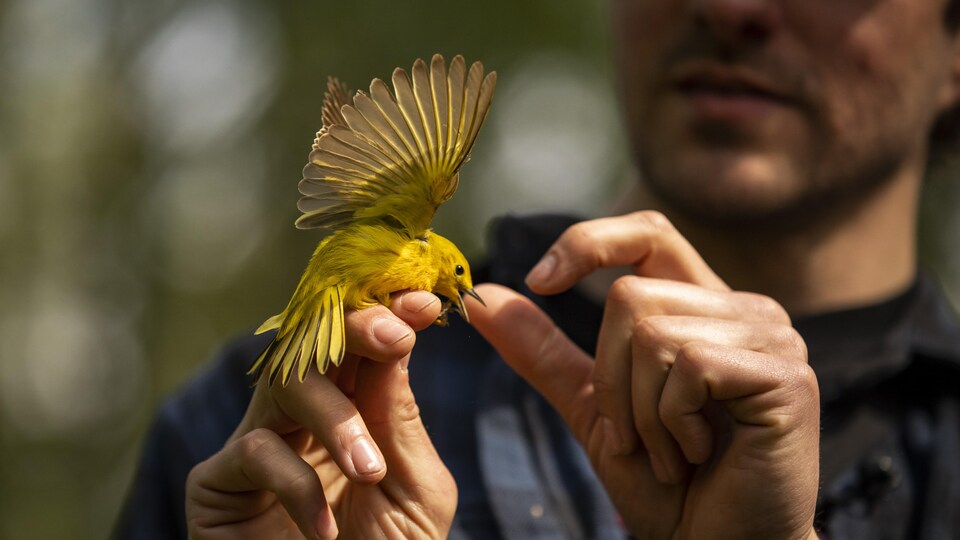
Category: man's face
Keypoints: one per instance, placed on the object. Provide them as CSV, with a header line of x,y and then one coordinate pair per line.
x,y
741,109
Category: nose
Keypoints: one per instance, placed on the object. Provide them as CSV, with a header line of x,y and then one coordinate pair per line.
x,y
737,22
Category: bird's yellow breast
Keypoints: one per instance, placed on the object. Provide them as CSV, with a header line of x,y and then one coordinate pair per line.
x,y
371,262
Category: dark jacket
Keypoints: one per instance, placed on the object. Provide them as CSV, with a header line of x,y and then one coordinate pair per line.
x,y
889,377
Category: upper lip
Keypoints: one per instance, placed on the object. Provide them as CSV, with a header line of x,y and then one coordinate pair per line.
x,y
725,79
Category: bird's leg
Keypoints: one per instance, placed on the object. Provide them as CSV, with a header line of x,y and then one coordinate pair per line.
x,y
443,318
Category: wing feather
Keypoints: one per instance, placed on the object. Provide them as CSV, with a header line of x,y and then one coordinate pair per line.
x,y
294,352
393,125
378,135
278,355
348,150
323,339
483,104
337,345
367,120
438,86
409,108
471,92
334,99
308,347
423,93
455,90
394,155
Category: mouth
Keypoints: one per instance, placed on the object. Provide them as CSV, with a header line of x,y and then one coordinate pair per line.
x,y
460,307
729,92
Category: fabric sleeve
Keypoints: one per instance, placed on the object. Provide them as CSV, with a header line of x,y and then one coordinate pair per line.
x,y
189,427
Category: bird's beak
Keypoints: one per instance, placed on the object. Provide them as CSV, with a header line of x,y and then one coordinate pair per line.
x,y
461,307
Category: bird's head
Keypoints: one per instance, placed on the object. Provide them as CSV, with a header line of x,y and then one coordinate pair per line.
x,y
454,280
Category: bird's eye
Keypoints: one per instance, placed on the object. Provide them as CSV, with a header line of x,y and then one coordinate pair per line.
x,y
459,270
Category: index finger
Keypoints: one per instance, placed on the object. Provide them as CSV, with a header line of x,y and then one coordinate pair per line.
x,y
645,240
388,334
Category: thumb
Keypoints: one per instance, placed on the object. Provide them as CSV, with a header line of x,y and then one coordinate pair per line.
x,y
532,344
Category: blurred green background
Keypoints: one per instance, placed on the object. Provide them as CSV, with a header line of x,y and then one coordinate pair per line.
x,y
149,156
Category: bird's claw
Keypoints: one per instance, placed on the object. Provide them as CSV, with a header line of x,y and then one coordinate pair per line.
x,y
443,319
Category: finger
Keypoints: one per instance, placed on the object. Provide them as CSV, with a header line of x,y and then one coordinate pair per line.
x,y
418,309
416,472
776,394
630,301
530,342
613,368
344,375
647,241
388,334
655,343
653,296
626,336
320,407
324,410
261,460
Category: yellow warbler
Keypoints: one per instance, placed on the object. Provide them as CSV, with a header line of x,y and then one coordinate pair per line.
x,y
379,168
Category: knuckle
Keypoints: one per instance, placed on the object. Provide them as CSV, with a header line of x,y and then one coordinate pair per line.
x,y
765,307
252,445
691,360
799,381
651,344
303,484
579,236
625,290
793,342
407,410
604,385
647,332
806,378
655,220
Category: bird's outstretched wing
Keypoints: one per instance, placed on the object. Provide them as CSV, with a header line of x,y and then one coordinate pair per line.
x,y
336,96
396,155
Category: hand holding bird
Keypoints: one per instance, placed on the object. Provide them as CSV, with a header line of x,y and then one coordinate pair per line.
x,y
379,169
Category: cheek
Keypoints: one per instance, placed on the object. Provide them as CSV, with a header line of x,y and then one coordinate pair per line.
x,y
643,30
881,82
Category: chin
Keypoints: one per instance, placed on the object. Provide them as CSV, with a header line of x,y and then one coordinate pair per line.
x,y
724,187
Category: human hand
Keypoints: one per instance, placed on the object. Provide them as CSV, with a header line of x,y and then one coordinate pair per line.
x,y
343,452
700,414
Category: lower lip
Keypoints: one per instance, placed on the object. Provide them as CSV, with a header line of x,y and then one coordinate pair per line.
x,y
732,107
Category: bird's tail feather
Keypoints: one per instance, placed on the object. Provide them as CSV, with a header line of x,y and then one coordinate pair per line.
x,y
272,323
317,337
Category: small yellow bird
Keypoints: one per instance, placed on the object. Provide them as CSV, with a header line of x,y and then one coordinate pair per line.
x,y
379,168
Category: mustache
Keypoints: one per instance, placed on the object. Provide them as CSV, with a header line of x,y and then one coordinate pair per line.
x,y
704,48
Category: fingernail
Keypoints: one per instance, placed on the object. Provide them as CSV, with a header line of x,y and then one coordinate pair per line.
x,y
542,271
365,458
419,301
405,363
388,331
